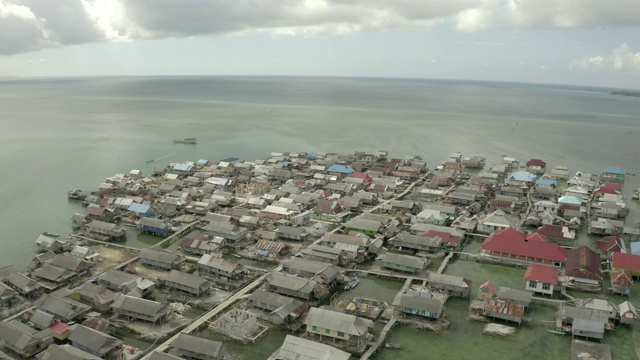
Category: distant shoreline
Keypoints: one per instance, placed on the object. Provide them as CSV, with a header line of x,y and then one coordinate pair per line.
x,y
626,93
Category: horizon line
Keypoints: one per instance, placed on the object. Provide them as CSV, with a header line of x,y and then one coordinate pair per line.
x,y
9,78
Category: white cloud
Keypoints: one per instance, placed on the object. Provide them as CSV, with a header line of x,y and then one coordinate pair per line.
x,y
29,25
548,14
621,59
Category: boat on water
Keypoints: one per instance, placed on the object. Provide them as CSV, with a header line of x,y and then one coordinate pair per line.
x,y
384,321
557,332
49,234
392,346
189,140
636,194
352,283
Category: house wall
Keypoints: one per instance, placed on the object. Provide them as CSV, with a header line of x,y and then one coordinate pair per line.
x,y
366,232
627,318
588,334
182,287
502,316
425,314
327,332
620,289
403,245
131,314
288,292
215,271
159,264
538,287
399,267
155,230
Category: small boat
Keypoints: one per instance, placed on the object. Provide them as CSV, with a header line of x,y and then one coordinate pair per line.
x,y
352,283
49,234
236,255
557,332
392,346
384,321
190,140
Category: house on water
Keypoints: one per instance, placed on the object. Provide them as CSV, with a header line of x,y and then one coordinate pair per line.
x,y
419,306
541,279
155,226
353,330
298,348
613,175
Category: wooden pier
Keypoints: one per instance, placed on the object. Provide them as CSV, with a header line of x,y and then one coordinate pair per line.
x,y
384,274
176,235
383,335
105,243
204,319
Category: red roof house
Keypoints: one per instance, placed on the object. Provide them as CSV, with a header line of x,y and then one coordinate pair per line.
x,y
513,244
361,175
613,185
630,263
60,330
557,233
536,165
542,273
541,279
486,290
607,190
452,241
584,265
609,244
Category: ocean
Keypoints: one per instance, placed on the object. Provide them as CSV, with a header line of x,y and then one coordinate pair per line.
x,y
57,134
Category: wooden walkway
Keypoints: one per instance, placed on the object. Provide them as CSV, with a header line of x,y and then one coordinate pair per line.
x,y
384,274
445,263
214,312
381,338
176,235
105,243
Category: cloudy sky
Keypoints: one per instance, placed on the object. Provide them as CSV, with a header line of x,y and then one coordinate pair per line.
x,y
581,42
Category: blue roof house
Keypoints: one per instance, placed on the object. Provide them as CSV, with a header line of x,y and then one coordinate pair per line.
x,y
341,169
547,182
613,174
183,169
570,200
312,156
202,162
635,248
522,176
155,226
143,210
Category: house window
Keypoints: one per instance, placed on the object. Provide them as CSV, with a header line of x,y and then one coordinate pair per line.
x,y
314,328
533,284
340,334
327,331
546,287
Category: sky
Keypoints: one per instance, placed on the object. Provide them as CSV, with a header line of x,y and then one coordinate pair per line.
x,y
575,42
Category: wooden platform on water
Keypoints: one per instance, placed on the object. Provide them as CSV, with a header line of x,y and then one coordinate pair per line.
x,y
381,338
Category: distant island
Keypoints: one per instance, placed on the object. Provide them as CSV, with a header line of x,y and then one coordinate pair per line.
x,y
627,93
